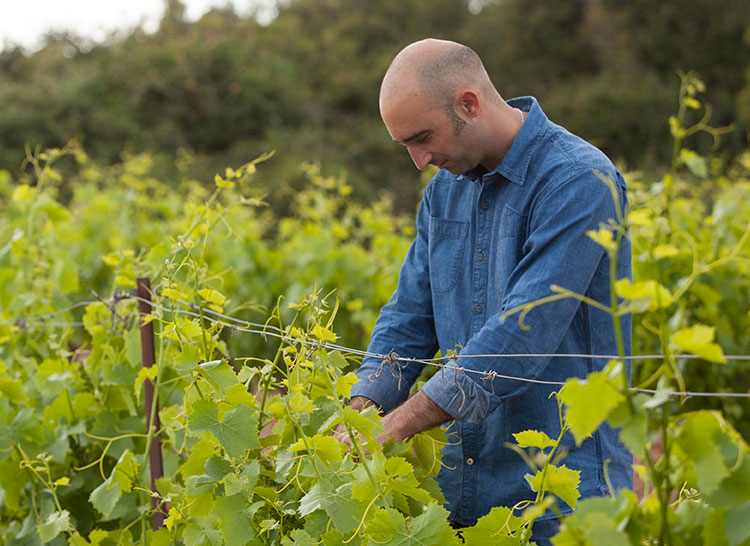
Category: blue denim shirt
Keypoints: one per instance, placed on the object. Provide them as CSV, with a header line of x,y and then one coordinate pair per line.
x,y
487,243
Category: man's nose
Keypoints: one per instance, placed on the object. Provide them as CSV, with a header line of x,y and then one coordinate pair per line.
x,y
420,158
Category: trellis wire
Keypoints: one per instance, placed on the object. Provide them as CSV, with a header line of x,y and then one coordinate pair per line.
x,y
265,330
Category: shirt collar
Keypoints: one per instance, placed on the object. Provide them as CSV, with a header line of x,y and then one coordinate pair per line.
x,y
515,164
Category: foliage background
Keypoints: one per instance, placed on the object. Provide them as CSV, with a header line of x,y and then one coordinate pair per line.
x,y
306,84
159,115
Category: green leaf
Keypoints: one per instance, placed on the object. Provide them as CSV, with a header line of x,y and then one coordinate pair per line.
x,y
533,438
322,333
56,523
644,295
197,536
694,162
582,416
219,374
149,373
494,528
698,438
13,390
698,340
394,474
105,497
217,467
199,454
189,329
299,403
737,523
125,471
596,528
12,482
560,480
236,433
235,525
344,384
234,484
327,448
173,294
428,449
603,237
221,183
212,296
389,527
665,251
238,395
188,358
337,502
367,422
714,533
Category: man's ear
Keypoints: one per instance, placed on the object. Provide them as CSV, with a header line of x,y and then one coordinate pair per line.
x,y
468,103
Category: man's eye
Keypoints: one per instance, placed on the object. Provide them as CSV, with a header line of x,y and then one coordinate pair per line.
x,y
423,139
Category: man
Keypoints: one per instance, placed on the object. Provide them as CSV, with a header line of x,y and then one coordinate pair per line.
x,y
503,219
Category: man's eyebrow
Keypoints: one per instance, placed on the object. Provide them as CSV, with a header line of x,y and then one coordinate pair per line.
x,y
412,137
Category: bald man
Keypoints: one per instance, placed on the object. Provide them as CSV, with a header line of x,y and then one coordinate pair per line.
x,y
503,220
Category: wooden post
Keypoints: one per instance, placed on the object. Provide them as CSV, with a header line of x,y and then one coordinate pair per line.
x,y
149,358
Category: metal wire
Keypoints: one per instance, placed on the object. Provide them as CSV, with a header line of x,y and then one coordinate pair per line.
x,y
266,330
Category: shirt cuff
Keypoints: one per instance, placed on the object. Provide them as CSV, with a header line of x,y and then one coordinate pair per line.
x,y
460,396
381,384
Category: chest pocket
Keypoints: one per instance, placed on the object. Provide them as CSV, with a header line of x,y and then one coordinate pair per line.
x,y
447,244
508,247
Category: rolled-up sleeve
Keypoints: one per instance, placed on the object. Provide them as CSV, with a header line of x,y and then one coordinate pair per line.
x,y
405,326
557,251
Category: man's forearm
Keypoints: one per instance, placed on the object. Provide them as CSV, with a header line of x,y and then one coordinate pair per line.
x,y
359,403
417,414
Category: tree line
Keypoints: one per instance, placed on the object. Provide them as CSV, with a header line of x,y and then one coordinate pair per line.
x,y
227,87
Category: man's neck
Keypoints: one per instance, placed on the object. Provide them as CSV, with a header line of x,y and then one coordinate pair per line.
x,y
504,127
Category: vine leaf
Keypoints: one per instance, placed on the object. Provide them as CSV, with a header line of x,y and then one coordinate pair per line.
x,y
494,529
737,523
698,340
219,374
336,502
388,526
582,416
643,295
395,474
367,422
344,384
105,497
560,480
325,447
699,438
533,438
199,454
236,433
235,518
55,524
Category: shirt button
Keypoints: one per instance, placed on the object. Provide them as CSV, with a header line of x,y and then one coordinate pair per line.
x,y
469,461
478,309
480,257
484,205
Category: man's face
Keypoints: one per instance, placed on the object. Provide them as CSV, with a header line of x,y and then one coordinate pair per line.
x,y
429,134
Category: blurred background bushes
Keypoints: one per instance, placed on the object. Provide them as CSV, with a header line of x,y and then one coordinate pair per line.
x,y
226,88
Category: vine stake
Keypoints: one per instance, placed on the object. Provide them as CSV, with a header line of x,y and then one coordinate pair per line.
x,y
149,357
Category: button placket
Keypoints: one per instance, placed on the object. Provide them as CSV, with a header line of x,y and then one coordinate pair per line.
x,y
484,220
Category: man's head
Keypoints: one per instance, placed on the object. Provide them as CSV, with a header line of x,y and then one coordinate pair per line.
x,y
437,99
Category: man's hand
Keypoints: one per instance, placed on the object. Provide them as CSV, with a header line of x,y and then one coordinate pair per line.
x,y
340,433
417,414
